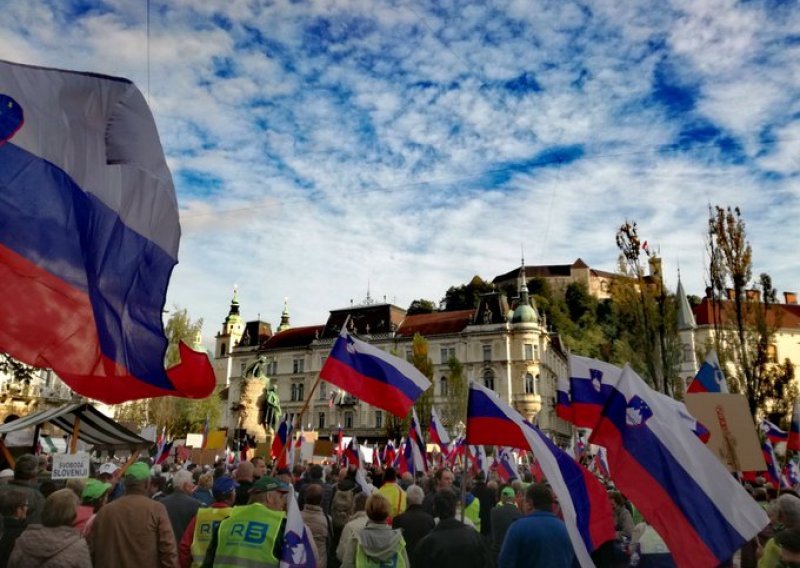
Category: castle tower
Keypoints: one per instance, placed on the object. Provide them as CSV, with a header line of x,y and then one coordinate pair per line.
x,y
686,328
284,316
232,328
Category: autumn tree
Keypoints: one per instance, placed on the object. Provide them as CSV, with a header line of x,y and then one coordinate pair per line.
x,y
455,409
745,318
466,296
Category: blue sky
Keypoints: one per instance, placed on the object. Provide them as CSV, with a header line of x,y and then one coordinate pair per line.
x,y
319,148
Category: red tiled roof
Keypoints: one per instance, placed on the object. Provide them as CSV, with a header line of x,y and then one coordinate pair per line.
x,y
437,323
293,337
789,314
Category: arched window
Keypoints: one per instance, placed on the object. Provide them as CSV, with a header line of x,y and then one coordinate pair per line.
x,y
443,386
530,385
348,419
488,379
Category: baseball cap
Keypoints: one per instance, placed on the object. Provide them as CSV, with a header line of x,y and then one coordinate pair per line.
x,y
138,471
94,489
269,484
224,484
508,492
107,468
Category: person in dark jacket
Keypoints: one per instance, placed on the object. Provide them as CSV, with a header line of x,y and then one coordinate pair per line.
x,y
14,507
486,493
315,478
181,506
451,544
505,513
415,522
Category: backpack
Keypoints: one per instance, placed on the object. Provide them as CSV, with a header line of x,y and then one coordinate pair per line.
x,y
342,508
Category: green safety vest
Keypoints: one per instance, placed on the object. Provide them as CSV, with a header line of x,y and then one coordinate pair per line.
x,y
207,520
473,513
247,538
396,561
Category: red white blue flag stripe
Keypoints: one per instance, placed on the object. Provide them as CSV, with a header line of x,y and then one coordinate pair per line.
x,y
709,377
584,502
793,441
679,486
437,431
773,433
88,236
374,376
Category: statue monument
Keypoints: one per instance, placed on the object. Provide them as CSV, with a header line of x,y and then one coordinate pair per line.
x,y
268,402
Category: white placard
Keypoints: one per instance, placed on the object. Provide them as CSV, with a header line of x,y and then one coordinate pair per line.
x,y
70,466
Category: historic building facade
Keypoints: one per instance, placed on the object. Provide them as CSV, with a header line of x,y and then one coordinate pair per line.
x,y
505,348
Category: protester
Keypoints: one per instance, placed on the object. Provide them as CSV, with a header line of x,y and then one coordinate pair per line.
x,y
6,475
197,536
181,506
14,508
93,497
415,522
505,513
267,509
54,543
788,542
472,509
134,531
110,472
259,467
342,502
539,539
650,549
393,492
377,544
451,544
203,492
318,523
26,474
486,494
315,478
442,479
244,477
358,521
785,515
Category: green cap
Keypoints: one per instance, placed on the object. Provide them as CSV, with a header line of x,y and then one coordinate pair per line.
x,y
269,484
94,489
508,492
138,471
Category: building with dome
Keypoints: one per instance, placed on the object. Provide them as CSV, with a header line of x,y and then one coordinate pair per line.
x,y
503,343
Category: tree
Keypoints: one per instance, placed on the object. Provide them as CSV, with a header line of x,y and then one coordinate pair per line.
x,y
421,307
744,321
645,304
423,363
466,296
16,370
455,409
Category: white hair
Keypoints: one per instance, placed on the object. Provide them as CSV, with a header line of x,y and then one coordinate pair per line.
x,y
181,478
415,495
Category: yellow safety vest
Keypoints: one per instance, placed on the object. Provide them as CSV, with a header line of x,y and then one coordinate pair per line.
x,y
247,538
396,497
396,561
207,520
473,513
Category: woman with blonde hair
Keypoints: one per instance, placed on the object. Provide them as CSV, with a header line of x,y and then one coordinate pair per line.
x,y
54,543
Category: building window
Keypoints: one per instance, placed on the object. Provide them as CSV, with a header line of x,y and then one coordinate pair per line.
x,y
409,355
301,391
298,365
223,348
243,369
530,384
529,351
323,390
321,421
443,386
272,367
488,379
348,419
322,360
294,393
378,419
447,353
487,352
772,353
535,352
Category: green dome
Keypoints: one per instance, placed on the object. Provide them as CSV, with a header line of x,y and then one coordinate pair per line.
x,y
524,314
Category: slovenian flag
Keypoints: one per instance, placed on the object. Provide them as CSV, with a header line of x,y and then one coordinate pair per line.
x,y
297,549
89,236
506,465
282,438
772,474
437,431
709,377
680,487
352,454
418,449
793,440
583,501
389,453
773,433
374,376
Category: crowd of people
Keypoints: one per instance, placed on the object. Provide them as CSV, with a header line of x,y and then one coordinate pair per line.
x,y
185,516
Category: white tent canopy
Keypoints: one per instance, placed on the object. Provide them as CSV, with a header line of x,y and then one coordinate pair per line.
x,y
94,427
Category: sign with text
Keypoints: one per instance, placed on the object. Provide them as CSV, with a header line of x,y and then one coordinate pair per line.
x,y
70,466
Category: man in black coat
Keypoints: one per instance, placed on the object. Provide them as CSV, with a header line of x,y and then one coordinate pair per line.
x,y
415,522
451,544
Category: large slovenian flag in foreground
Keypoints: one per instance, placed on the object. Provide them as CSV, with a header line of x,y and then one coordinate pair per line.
x,y
374,376
709,377
583,500
680,487
88,236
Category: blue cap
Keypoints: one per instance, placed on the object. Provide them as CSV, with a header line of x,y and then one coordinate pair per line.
x,y
224,485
